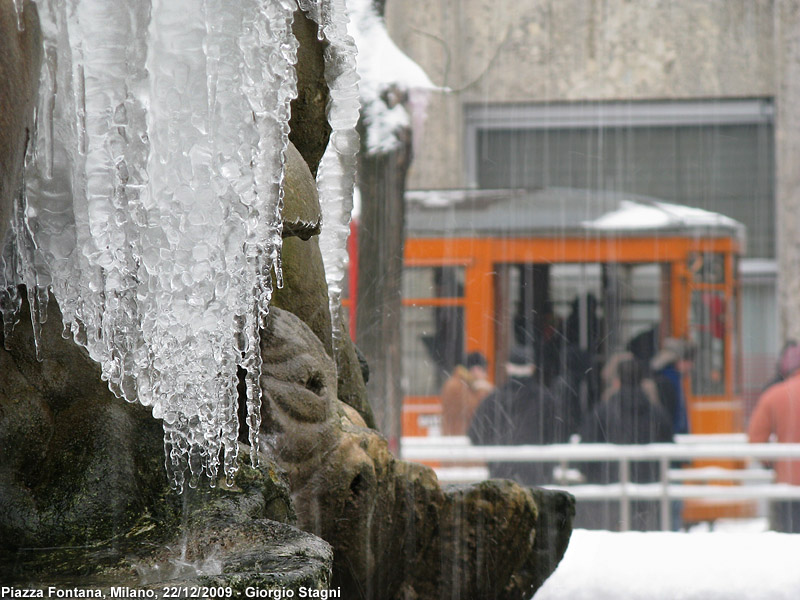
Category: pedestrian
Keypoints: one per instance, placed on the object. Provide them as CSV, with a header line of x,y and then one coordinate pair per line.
x,y
669,366
781,372
521,411
463,392
626,416
777,412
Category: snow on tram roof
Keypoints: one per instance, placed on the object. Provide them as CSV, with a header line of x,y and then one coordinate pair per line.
x,y
633,214
556,211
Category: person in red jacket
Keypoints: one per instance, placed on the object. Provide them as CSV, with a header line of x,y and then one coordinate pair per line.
x,y
778,413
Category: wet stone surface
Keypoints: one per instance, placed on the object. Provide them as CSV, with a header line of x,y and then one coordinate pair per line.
x,y
495,539
84,497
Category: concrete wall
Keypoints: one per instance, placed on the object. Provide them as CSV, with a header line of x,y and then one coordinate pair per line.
x,y
787,153
568,50
538,51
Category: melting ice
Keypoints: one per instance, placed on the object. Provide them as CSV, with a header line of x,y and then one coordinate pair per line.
x,y
336,173
153,192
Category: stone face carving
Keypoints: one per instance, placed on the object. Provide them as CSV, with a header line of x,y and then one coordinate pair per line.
x,y
305,292
394,530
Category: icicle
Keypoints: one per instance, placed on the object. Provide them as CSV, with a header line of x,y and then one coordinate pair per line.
x,y
47,92
269,53
10,301
112,64
153,208
336,174
19,7
25,268
184,201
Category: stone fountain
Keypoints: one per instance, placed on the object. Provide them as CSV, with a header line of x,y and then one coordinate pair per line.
x,y
326,509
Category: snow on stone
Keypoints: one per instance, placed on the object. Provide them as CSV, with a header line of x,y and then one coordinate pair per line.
x,y
387,74
719,565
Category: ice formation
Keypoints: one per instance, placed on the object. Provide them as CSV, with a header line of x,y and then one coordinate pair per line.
x,y
384,73
336,174
152,198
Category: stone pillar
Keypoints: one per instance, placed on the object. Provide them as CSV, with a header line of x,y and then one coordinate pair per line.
x,y
787,155
20,57
379,310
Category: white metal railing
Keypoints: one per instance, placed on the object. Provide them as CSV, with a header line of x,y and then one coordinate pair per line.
x,y
754,483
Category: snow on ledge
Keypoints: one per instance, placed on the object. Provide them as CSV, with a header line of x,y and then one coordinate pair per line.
x,y
740,565
388,76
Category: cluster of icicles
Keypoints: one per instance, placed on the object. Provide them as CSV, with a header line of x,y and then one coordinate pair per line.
x,y
152,198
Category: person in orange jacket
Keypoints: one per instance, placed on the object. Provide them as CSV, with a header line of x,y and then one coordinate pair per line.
x,y
463,392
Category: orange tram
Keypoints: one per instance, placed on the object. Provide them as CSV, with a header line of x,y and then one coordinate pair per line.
x,y
487,269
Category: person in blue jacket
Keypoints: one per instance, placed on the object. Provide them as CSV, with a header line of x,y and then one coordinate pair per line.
x,y
669,366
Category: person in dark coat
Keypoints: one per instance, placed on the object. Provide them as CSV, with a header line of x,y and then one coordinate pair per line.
x,y
628,416
521,411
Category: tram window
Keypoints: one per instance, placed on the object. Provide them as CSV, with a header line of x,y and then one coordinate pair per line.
x,y
633,295
433,282
586,308
433,344
569,281
641,301
707,267
709,313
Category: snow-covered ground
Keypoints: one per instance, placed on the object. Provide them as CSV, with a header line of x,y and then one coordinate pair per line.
x,y
730,563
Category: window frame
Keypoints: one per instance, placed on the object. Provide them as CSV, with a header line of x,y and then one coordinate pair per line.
x,y
594,115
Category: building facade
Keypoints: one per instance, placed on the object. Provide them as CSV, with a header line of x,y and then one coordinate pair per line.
x,y
688,101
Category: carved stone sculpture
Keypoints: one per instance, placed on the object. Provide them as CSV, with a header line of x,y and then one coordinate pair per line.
x,y
396,532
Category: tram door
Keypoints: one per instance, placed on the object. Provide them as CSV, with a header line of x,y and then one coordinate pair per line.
x,y
433,341
712,301
576,315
